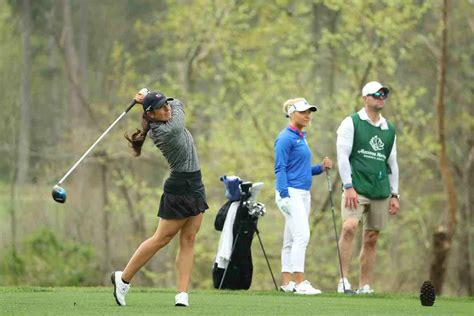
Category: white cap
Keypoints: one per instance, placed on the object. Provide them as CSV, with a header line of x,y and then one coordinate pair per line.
x,y
373,87
301,106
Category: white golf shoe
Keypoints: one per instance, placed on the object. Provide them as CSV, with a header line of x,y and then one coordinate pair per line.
x,y
343,285
365,290
120,288
305,288
290,287
181,299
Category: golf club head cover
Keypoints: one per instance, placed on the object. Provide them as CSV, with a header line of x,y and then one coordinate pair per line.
x,y
232,187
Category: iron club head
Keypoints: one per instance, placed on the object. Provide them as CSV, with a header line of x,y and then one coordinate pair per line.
x,y
59,194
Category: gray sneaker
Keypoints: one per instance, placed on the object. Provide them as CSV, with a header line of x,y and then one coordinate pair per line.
x,y
120,288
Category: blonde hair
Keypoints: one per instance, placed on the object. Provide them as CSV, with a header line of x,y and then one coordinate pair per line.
x,y
289,103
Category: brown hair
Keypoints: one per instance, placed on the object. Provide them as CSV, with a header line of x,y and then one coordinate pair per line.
x,y
138,137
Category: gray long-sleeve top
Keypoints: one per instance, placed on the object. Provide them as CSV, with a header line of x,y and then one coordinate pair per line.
x,y
175,141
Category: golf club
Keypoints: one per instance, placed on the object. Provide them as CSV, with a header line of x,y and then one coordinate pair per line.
x,y
58,193
328,177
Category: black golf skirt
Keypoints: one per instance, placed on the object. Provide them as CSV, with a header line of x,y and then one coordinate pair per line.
x,y
184,196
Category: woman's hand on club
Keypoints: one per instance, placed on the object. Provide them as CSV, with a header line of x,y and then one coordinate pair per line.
x,y
139,97
327,163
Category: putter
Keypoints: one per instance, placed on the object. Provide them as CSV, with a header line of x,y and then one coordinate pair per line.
x,y
59,194
328,177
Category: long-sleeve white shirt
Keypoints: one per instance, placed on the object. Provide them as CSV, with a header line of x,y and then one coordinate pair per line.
x,y
345,137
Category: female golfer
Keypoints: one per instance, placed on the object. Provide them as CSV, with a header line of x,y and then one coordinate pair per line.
x,y
293,173
183,202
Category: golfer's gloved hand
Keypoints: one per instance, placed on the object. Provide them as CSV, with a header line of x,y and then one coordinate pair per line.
x,y
285,205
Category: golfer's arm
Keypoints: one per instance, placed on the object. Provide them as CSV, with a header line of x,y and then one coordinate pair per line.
x,y
343,153
316,169
345,137
392,163
282,152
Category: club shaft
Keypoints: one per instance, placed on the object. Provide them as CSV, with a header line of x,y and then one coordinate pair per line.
x,y
328,177
93,145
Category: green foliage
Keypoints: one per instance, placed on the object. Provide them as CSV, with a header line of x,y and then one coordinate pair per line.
x,y
44,259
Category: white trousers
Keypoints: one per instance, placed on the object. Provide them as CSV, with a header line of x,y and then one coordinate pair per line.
x,y
296,234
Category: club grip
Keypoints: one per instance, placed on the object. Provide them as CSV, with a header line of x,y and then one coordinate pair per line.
x,y
132,103
143,91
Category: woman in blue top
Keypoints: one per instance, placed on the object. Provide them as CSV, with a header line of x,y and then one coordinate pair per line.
x,y
293,171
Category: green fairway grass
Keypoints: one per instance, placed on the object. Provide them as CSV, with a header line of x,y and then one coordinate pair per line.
x,y
148,301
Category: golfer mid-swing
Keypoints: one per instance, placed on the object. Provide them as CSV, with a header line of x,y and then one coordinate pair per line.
x,y
183,201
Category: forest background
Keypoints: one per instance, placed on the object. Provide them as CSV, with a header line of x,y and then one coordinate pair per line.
x,y
69,68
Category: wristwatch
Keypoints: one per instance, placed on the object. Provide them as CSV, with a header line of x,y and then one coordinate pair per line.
x,y
395,195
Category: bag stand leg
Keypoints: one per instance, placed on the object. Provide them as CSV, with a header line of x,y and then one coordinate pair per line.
x,y
266,258
264,254
233,248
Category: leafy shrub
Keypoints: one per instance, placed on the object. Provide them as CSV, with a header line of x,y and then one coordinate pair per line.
x,y
45,260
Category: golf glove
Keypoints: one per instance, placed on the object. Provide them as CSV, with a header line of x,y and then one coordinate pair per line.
x,y
285,205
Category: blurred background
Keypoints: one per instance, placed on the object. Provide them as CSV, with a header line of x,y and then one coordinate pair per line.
x,y
68,68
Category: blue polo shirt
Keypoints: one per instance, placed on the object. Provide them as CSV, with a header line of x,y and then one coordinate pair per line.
x,y
293,161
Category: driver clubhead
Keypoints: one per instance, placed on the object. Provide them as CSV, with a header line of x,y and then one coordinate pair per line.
x,y
59,194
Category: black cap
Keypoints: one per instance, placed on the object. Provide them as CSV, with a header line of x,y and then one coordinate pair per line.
x,y
154,100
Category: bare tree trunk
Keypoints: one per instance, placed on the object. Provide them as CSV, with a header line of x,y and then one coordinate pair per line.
x,y
13,224
55,91
465,243
442,238
84,48
136,216
106,220
72,62
23,164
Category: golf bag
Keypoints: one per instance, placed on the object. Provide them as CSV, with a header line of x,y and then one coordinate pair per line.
x,y
237,219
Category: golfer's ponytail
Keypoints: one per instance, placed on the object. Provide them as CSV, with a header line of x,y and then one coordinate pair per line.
x,y
138,138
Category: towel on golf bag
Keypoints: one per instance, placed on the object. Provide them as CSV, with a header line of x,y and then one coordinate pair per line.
x,y
224,251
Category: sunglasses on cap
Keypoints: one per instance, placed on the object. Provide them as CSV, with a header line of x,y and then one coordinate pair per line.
x,y
380,95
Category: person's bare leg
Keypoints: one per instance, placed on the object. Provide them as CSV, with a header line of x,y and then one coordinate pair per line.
x,y
298,277
285,277
349,227
165,231
367,256
185,256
